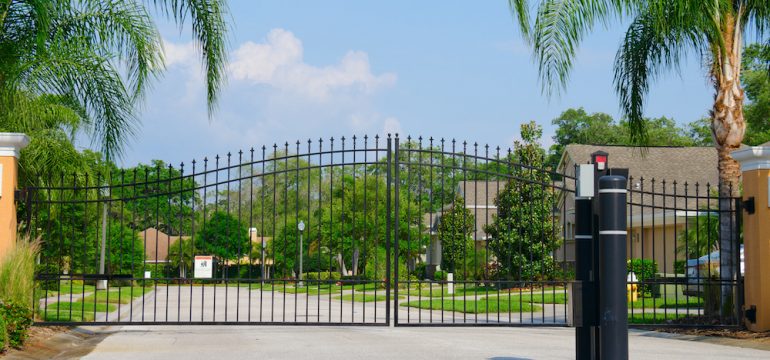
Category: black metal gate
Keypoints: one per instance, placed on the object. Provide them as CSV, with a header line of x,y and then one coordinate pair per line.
x,y
360,231
365,231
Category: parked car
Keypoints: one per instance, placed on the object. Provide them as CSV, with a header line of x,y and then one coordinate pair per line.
x,y
702,268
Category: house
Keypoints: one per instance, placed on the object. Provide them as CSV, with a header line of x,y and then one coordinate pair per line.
x,y
156,244
662,202
479,198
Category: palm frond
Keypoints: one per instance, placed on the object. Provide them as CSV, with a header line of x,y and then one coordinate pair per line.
x,y
559,28
209,29
648,49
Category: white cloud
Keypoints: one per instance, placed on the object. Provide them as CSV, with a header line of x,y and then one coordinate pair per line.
x,y
179,54
279,62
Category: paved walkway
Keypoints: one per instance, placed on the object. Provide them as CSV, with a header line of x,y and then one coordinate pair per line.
x,y
342,343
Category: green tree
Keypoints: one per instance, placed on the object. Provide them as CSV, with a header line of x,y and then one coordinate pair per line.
x,y
156,195
181,256
523,236
223,236
659,35
700,238
454,230
99,55
756,64
576,126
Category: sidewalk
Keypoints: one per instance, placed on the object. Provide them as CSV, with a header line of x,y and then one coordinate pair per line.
x,y
340,343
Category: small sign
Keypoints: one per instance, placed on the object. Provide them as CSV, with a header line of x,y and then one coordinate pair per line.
x,y
204,266
148,274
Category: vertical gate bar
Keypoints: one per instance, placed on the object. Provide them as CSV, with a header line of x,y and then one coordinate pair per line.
x,y
352,233
203,229
285,225
341,257
366,226
192,234
397,217
331,222
408,169
216,210
420,222
168,238
388,225
443,194
309,225
84,268
430,226
240,245
296,219
320,226
251,226
376,221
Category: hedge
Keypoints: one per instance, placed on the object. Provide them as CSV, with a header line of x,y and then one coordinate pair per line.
x,y
3,333
645,269
324,275
18,319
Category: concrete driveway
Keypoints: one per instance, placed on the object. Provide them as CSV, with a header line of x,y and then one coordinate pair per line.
x,y
341,343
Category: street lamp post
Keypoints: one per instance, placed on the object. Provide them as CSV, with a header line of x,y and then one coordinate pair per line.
x,y
301,228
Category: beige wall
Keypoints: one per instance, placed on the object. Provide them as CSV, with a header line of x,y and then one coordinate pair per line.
x,y
8,205
658,243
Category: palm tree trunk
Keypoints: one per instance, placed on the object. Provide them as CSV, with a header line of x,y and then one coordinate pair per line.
x,y
728,128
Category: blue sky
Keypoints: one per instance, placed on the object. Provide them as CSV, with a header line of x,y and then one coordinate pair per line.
x,y
310,69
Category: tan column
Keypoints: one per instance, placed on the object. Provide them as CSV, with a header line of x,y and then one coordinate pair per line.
x,y
755,165
10,145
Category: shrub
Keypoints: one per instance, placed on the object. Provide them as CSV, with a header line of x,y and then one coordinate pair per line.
x,y
18,319
17,272
679,266
644,269
440,275
419,271
3,333
323,275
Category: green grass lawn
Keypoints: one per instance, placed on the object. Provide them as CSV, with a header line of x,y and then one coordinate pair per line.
x,y
74,311
460,290
667,303
122,295
653,318
536,297
474,306
66,287
361,297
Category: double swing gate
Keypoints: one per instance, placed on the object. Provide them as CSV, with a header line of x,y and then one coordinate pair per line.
x,y
349,231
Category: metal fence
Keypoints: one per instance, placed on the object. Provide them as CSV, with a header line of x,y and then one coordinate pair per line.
x,y
685,252
364,231
390,230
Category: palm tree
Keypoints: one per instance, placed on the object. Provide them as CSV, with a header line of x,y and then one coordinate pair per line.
x,y
99,55
661,34
180,256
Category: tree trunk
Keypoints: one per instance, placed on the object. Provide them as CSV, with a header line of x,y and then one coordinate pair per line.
x,y
728,128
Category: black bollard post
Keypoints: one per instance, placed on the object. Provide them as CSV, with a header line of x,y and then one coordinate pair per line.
x,y
613,315
584,276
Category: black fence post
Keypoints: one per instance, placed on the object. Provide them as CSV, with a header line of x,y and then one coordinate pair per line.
x,y
584,316
613,314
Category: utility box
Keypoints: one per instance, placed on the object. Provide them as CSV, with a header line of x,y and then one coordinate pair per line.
x,y
585,180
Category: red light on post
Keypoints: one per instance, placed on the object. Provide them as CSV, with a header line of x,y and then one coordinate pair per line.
x,y
599,159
